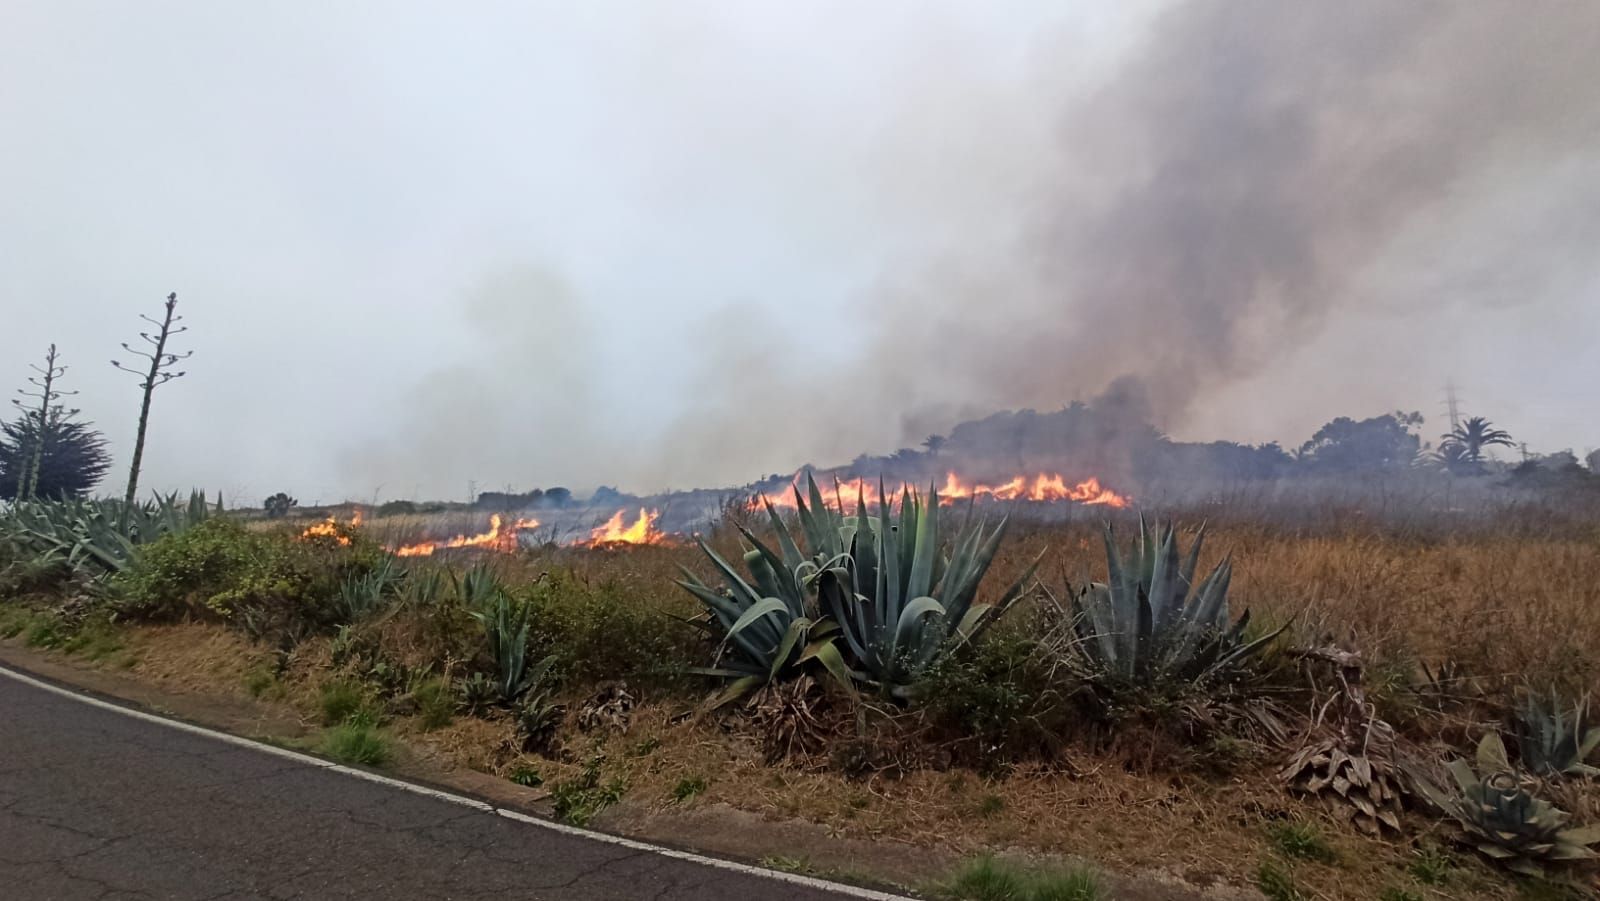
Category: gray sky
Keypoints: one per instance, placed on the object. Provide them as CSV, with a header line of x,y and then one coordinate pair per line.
x,y
661,245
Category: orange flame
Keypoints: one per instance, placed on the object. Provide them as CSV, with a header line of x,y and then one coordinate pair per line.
x,y
331,529
500,537
1041,487
614,531
845,495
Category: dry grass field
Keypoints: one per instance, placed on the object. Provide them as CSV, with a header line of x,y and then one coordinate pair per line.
x,y
1453,625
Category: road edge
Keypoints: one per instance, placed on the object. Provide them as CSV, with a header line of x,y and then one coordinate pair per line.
x,y
87,697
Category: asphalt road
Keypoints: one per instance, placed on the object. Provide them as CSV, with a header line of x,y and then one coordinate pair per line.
x,y
95,804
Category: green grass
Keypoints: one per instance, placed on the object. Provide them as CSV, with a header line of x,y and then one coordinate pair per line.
x,y
991,805
988,878
436,704
577,801
1301,841
1393,893
342,700
44,631
785,864
13,620
1431,866
1276,882
357,743
687,788
259,681
96,641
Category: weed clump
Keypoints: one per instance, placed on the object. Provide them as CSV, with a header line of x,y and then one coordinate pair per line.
x,y
688,788
342,700
436,704
989,878
1301,841
358,743
578,800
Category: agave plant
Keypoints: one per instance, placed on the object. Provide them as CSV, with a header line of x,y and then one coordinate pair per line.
x,y
880,584
505,625
94,535
1150,625
1553,745
360,595
769,622
537,715
899,601
1502,819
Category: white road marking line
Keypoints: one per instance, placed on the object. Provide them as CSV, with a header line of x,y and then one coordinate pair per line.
x,y
812,882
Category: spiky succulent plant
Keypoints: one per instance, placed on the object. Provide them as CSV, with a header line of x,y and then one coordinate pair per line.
x,y
98,537
900,602
1553,744
1149,625
873,598
1501,818
769,622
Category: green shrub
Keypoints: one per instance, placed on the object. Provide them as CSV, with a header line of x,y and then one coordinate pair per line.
x,y
997,697
526,776
264,580
601,631
358,743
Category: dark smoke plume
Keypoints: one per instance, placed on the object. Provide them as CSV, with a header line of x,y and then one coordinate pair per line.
x,y
1245,176
1224,194
1252,172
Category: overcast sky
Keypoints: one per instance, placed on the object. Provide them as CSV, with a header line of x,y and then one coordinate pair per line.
x,y
661,245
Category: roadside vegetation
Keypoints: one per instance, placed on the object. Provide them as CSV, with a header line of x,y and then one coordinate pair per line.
x,y
1345,711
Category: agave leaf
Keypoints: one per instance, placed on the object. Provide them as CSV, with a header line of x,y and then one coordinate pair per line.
x,y
742,590
792,558
826,653
1587,835
1095,602
791,637
914,618
766,608
1492,755
927,548
735,690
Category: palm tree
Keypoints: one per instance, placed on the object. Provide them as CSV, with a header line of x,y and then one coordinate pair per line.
x,y
1474,435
